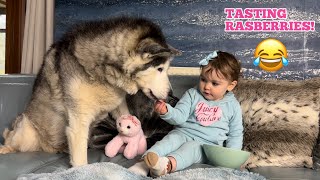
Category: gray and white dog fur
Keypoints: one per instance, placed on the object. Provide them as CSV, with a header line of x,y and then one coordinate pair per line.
x,y
86,75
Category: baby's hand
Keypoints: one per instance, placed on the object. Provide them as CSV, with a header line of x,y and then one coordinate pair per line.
x,y
160,107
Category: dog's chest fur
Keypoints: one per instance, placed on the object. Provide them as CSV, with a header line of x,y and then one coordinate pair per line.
x,y
93,95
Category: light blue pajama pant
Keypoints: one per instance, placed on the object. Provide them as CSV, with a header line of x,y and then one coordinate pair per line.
x,y
183,148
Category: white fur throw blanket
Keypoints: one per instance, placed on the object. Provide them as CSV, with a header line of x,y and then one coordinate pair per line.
x,y
107,170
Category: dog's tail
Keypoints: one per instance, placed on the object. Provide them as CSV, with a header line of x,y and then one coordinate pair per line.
x,y
101,132
5,133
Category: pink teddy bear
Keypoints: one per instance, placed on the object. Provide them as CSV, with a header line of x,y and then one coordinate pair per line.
x,y
130,141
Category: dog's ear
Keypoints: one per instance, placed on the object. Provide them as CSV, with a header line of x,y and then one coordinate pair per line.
x,y
174,51
149,49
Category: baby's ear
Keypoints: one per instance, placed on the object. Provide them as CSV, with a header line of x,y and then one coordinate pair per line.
x,y
232,85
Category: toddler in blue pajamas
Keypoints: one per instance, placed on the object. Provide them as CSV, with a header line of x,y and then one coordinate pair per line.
x,y
206,114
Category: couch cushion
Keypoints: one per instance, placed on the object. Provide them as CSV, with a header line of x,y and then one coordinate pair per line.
x,y
316,151
281,121
15,91
15,164
278,173
12,165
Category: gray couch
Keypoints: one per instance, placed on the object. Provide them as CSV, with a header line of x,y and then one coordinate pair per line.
x,y
15,91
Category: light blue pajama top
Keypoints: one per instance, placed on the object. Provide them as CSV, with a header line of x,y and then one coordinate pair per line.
x,y
209,122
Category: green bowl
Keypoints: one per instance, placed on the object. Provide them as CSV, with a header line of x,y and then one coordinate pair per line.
x,y
225,157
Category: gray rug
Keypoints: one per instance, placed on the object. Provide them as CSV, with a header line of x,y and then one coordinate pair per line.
x,y
111,171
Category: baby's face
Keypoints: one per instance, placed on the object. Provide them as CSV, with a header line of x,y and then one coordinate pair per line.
x,y
215,86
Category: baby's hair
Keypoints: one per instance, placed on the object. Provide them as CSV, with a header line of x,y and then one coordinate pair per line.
x,y
226,64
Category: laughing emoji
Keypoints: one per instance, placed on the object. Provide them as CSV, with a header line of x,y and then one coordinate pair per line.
x,y
271,55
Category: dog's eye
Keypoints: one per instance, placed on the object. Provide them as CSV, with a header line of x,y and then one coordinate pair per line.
x,y
160,69
128,127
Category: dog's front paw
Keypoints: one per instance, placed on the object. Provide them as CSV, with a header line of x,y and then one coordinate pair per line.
x,y
78,163
6,149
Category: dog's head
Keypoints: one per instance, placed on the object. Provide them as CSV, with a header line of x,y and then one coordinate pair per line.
x,y
148,66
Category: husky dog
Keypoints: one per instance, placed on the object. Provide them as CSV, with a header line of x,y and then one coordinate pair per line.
x,y
85,76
